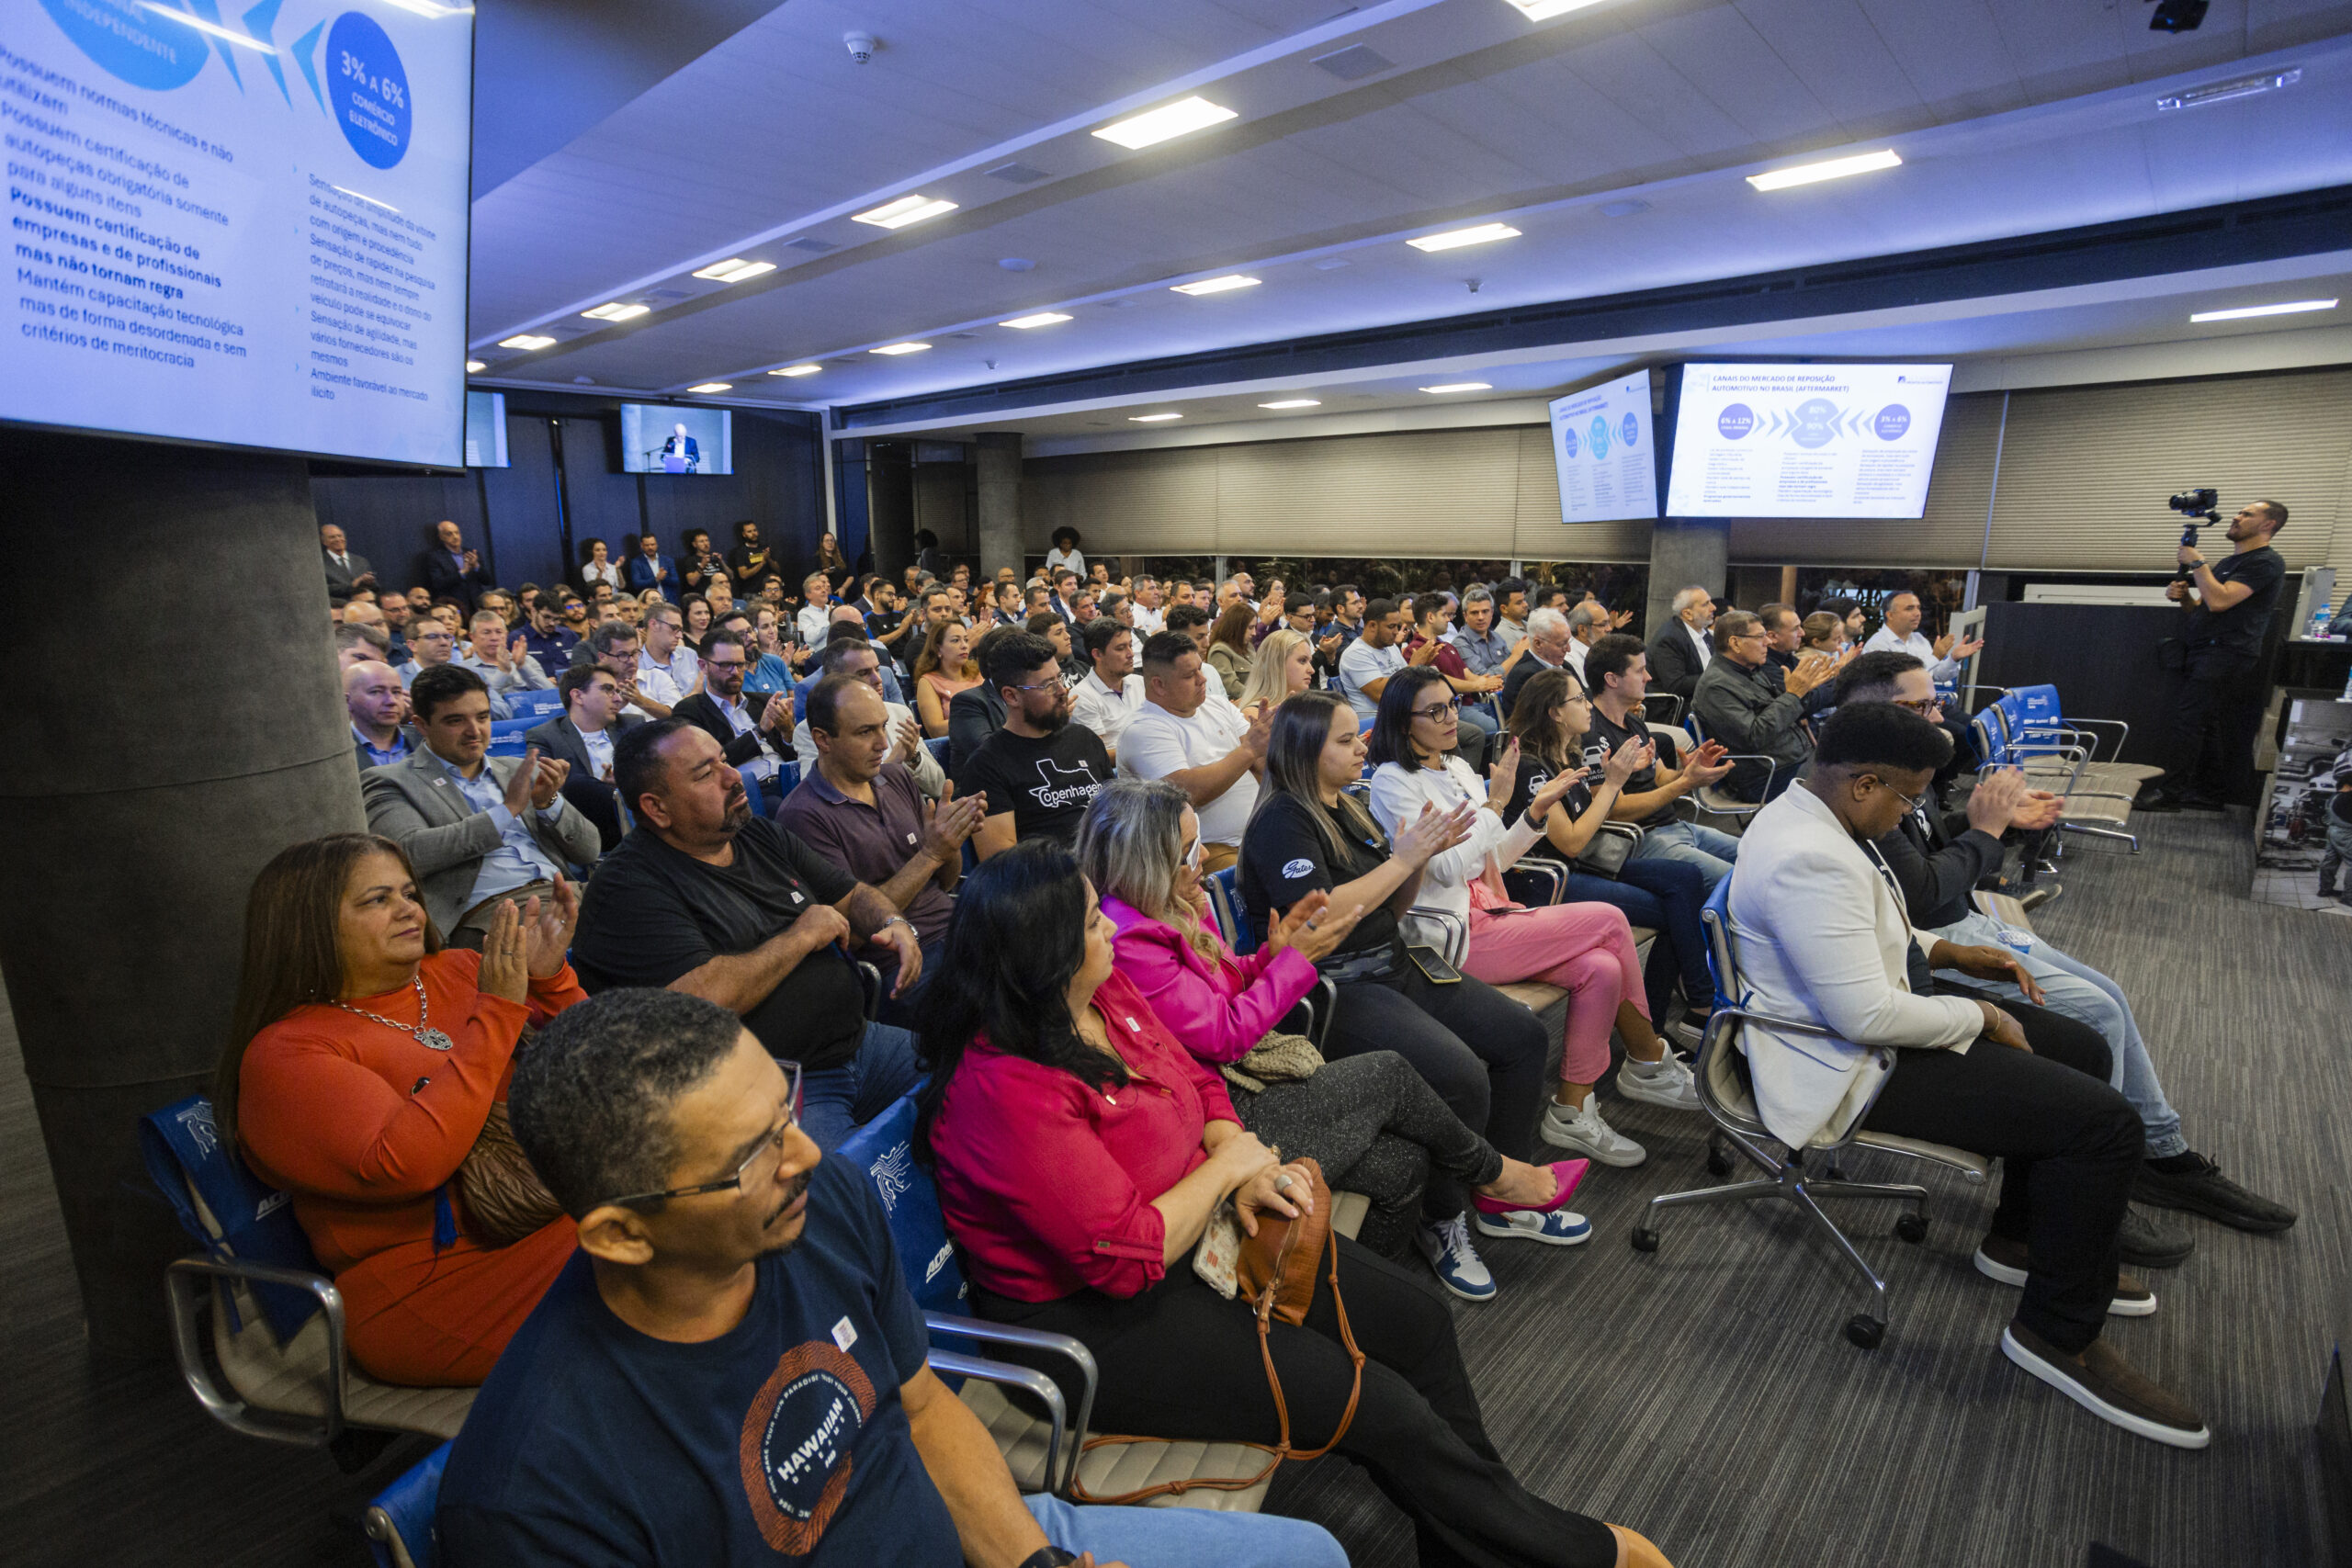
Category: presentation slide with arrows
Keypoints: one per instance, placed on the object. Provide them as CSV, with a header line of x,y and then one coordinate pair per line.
x,y
1805,440
244,227
1600,443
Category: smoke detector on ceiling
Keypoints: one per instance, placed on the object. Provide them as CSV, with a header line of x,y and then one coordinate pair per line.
x,y
860,46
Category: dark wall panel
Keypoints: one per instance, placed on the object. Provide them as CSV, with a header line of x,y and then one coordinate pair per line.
x,y
601,504
526,521
389,520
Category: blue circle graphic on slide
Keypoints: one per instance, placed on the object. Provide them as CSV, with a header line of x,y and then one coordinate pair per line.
x,y
1736,420
131,42
369,95
1816,423
1600,436
1891,421
1568,441
1627,431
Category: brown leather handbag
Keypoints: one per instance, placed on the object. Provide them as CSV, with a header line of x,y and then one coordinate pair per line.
x,y
503,1198
1276,1270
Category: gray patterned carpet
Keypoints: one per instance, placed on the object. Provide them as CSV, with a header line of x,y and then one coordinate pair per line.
x,y
1706,1396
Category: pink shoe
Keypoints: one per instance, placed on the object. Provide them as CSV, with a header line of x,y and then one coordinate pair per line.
x,y
1566,1172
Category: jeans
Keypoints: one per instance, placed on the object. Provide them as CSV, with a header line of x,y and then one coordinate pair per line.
x,y
901,1010
1664,896
1185,1538
1710,850
2215,718
2332,860
836,1102
2073,988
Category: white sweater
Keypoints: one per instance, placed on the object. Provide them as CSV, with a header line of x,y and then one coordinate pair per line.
x,y
1397,796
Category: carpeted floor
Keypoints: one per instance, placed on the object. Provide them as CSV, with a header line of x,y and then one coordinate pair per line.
x,y
1702,1394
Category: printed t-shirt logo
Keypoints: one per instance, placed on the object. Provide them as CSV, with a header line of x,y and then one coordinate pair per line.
x,y
794,1449
1063,786
1300,867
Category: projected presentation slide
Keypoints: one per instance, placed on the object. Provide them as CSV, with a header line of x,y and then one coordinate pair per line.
x,y
240,225
1805,440
486,430
658,439
1600,443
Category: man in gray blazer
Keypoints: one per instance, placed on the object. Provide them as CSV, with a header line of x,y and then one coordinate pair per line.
x,y
478,829
346,569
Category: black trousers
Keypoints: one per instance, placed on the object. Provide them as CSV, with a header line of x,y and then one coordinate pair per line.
x,y
1483,1053
2069,1147
2214,717
1180,1361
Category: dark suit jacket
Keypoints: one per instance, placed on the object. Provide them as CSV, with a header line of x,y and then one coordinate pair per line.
x,y
1675,665
702,712
1937,872
595,799
973,715
443,579
340,578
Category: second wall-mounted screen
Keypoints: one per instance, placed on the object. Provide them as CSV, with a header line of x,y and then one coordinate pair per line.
x,y
1805,440
486,430
1603,446
657,438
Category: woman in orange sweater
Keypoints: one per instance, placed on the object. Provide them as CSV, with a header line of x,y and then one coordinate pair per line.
x,y
365,1060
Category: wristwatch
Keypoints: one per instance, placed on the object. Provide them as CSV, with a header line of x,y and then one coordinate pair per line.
x,y
1048,1557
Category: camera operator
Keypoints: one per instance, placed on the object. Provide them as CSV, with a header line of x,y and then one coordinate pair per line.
x,y
2214,715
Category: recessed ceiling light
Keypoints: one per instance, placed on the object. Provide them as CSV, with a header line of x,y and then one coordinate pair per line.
x,y
1151,418
2242,312
798,370
1294,403
734,269
1835,169
711,386
1161,124
905,210
1463,387
616,312
1544,10
2222,92
525,340
900,348
1478,236
474,365
1041,318
1216,285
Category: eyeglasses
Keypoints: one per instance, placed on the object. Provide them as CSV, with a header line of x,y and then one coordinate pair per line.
x,y
1750,637
1058,683
1910,802
1437,711
1193,854
1922,706
760,1166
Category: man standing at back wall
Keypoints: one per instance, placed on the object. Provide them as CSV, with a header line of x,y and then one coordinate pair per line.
x,y
2214,715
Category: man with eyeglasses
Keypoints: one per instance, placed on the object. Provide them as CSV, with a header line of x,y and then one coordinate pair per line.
x,y
1753,709
752,742
1546,646
1039,771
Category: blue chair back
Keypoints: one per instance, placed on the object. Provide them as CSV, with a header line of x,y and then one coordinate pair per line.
x,y
405,1509
2030,709
1224,903
535,706
938,745
186,1158
1721,966
883,1151
507,745
502,728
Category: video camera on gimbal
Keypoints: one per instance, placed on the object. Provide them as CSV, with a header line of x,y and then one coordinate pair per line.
x,y
2200,507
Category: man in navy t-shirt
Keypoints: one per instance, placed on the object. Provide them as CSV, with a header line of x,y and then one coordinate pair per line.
x,y
730,1370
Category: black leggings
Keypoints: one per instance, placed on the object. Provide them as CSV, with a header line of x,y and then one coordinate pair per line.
x,y
2069,1145
1483,1053
1180,1361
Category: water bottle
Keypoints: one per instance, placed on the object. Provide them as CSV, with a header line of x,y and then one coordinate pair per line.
x,y
2321,618
2017,940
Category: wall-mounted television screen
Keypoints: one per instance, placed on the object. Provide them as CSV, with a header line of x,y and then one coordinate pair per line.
x,y
241,225
1805,440
486,430
1603,446
657,438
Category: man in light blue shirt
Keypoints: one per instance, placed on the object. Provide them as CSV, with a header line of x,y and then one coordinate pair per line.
x,y
502,668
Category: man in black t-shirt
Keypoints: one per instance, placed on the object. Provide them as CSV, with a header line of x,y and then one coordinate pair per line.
x,y
2228,607
706,898
1039,771
1617,679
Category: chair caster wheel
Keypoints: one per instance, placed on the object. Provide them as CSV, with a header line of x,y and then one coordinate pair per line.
x,y
1912,1228
1718,1162
1645,1239
1865,1331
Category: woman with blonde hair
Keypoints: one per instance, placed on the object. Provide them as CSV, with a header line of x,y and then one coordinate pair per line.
x,y
943,668
1283,667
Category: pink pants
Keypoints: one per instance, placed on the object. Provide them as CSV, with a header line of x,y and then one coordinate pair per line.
x,y
1586,950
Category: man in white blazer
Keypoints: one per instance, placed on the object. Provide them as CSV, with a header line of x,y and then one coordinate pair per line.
x,y
1822,938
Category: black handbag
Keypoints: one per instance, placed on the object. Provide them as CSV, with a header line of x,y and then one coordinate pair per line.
x,y
1607,853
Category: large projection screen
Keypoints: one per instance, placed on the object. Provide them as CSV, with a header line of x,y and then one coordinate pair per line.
x,y
1602,446
1805,440
242,226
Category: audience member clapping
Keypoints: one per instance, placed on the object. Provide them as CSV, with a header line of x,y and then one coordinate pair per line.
x,y
861,661
1195,739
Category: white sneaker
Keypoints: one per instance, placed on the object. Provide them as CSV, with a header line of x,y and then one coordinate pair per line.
x,y
1457,1264
1561,1227
1663,1082
1585,1132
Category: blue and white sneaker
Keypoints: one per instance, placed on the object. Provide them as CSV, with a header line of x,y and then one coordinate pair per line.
x,y
1456,1263
1561,1227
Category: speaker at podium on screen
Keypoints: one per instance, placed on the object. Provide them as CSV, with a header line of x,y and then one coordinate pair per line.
x,y
680,454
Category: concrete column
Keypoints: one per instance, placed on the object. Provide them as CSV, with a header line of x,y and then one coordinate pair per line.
x,y
890,505
1000,462
1684,551
178,722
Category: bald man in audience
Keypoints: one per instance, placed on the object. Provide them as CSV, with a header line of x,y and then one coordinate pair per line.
x,y
377,703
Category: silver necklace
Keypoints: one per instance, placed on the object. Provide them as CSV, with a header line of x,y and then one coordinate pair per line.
x,y
432,1039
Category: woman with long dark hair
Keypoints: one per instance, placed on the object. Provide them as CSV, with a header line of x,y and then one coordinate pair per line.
x,y
364,1061
596,565
1081,1153
1482,1052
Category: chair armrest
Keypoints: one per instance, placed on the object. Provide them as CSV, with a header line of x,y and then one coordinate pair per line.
x,y
1548,870
957,1364
188,1287
1673,710
1038,1340
1457,930
1711,798
869,980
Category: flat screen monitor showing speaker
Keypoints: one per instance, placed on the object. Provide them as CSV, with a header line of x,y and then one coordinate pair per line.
x,y
241,225
1604,447
486,430
1805,440
657,438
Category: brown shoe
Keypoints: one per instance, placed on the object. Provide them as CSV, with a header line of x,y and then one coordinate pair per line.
x,y
2110,1387
1999,1258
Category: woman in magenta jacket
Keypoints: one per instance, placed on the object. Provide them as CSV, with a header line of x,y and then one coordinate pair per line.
x,y
1370,1121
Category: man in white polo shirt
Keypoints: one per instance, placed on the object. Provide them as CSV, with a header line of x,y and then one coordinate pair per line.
x,y
1202,744
1112,693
